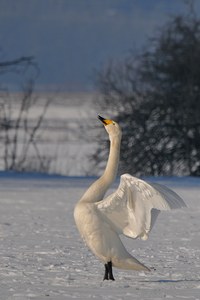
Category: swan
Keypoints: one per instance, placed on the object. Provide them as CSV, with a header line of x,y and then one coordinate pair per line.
x,y
131,210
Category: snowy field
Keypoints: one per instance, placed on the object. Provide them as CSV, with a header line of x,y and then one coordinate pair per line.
x,y
67,136
43,257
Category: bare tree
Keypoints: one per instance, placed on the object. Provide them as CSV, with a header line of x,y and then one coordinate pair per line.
x,y
18,131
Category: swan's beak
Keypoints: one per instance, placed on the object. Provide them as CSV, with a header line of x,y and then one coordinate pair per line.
x,y
104,121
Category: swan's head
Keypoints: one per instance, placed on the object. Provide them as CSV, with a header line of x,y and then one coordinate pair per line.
x,y
111,127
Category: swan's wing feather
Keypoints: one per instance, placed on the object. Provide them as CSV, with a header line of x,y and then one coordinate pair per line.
x,y
132,210
174,201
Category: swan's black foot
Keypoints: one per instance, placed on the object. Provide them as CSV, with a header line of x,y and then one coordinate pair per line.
x,y
108,271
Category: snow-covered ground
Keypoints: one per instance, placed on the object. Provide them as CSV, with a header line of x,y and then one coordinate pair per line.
x,y
43,257
69,133
67,136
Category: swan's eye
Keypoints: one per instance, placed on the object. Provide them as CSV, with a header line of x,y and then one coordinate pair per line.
x,y
113,123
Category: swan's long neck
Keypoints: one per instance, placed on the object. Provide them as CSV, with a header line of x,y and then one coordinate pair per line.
x,y
98,189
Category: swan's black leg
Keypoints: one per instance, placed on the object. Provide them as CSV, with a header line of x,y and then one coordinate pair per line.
x,y
110,273
106,272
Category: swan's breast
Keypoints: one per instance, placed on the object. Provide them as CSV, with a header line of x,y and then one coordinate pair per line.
x,y
94,230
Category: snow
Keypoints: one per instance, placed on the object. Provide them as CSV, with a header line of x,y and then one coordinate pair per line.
x,y
43,257
60,139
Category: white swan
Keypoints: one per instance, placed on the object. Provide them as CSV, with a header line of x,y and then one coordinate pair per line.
x,y
131,210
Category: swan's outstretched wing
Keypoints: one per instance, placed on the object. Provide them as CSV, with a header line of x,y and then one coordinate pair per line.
x,y
134,207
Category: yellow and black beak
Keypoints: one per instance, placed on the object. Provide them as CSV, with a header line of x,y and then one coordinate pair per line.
x,y
104,121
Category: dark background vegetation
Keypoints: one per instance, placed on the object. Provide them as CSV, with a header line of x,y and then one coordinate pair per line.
x,y
155,96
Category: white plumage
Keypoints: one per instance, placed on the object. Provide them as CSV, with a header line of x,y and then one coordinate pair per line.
x,y
131,210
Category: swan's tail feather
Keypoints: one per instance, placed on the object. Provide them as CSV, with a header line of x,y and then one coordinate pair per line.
x,y
129,263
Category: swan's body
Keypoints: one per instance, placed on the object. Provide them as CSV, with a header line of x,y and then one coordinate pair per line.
x,y
131,210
